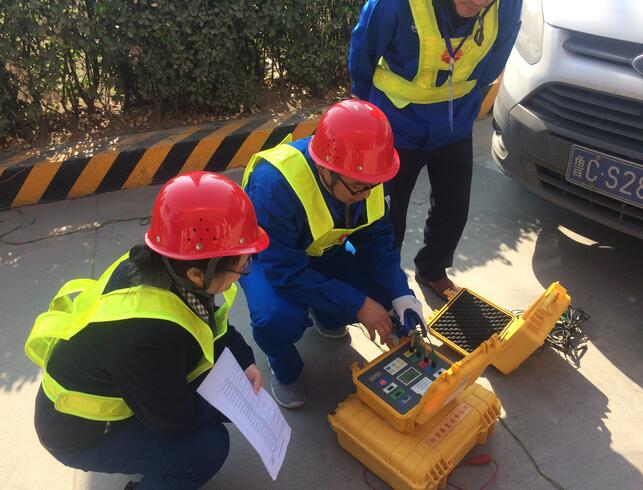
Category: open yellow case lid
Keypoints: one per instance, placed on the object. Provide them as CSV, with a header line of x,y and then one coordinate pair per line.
x,y
456,379
468,319
528,332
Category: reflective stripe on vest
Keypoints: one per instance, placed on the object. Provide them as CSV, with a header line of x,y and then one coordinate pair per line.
x,y
65,318
293,166
422,89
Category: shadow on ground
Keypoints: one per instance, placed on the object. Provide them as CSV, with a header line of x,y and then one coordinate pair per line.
x,y
602,269
25,282
27,242
567,428
501,217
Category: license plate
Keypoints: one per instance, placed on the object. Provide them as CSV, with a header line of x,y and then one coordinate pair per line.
x,y
607,175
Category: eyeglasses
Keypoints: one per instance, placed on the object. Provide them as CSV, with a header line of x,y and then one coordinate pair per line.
x,y
362,189
247,268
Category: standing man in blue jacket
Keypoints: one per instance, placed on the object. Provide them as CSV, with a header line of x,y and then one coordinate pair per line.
x,y
310,196
424,64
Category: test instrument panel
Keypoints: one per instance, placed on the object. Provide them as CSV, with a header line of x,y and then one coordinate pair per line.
x,y
415,413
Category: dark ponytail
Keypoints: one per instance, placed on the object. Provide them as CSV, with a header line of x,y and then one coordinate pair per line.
x,y
148,268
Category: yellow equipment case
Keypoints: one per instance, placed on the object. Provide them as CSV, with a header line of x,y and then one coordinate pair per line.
x,y
423,458
419,448
416,414
467,320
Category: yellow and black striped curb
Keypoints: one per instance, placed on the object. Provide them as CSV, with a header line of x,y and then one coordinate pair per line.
x,y
141,160
488,95
150,158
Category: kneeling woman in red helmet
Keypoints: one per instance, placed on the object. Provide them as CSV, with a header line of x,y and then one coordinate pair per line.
x,y
122,359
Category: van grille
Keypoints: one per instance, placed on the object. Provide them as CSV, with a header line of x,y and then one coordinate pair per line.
x,y
596,115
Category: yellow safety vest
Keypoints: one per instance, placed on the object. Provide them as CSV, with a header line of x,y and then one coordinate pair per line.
x,y
422,89
293,166
66,317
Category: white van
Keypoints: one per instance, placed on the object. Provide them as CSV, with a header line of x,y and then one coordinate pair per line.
x,y
568,118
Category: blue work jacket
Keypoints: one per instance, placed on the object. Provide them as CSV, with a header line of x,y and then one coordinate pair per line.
x,y
385,29
299,277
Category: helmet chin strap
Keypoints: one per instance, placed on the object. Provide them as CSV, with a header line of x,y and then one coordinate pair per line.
x,y
187,284
209,272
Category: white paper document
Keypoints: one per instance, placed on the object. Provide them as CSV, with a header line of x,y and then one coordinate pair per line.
x,y
257,416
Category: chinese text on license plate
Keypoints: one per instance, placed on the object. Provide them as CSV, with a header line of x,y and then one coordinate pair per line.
x,y
607,175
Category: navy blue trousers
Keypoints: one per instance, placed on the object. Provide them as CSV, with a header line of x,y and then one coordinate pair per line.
x,y
179,462
450,170
278,324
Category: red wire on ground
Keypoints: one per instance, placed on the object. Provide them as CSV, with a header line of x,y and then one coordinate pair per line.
x,y
478,460
493,477
475,461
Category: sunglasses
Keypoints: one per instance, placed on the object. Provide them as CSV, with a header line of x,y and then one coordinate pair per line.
x,y
247,268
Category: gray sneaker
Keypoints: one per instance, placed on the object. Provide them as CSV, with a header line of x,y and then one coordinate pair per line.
x,y
329,333
288,396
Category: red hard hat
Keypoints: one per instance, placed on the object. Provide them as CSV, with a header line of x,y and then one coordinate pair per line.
x,y
201,215
355,139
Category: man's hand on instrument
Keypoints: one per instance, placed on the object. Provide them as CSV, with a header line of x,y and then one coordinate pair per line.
x,y
376,319
410,312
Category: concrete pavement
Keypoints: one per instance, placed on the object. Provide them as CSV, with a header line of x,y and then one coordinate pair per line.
x,y
581,425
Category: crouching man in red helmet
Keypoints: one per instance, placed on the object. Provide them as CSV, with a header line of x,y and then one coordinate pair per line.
x,y
122,359
332,253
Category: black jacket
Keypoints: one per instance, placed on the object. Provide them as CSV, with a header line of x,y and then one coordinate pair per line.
x,y
144,361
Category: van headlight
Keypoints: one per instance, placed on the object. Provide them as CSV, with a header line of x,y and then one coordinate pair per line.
x,y
530,38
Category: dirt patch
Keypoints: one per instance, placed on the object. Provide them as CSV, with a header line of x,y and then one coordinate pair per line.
x,y
116,123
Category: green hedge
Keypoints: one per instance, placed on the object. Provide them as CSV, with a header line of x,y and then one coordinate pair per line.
x,y
62,58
